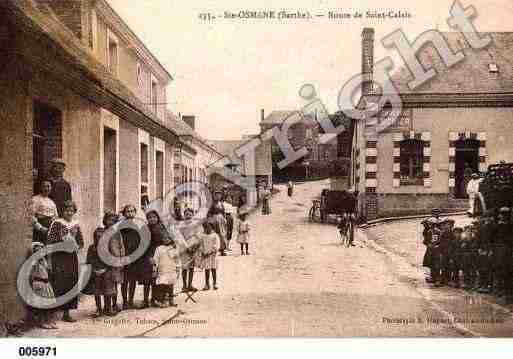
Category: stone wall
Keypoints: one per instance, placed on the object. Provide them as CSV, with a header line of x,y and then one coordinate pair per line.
x,y
396,204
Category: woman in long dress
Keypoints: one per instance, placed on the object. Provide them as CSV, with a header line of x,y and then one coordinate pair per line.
x,y
64,264
44,212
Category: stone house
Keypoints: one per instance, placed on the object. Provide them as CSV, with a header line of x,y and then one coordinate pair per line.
x,y
461,120
322,147
191,162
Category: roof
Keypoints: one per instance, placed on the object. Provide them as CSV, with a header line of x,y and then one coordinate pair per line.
x,y
183,129
142,51
470,75
227,149
180,127
276,117
75,66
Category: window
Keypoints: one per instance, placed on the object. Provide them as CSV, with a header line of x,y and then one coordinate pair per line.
x,y
144,173
411,161
139,76
93,30
159,174
154,95
112,53
109,169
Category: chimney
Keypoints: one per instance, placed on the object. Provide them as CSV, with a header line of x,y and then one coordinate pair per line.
x,y
262,115
190,120
367,59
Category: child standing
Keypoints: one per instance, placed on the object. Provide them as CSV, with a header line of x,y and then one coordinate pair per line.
x,y
104,284
166,262
209,246
455,250
41,288
243,234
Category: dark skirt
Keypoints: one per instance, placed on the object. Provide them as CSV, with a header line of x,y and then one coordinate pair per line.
x,y
131,241
289,191
229,226
38,236
426,262
65,276
266,206
105,284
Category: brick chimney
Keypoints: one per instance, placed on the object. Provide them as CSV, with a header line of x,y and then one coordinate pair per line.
x,y
190,120
367,59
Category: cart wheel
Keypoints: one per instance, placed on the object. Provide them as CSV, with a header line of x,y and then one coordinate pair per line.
x,y
311,214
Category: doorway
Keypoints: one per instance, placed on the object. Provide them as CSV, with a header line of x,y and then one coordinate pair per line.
x,y
159,174
47,140
466,163
109,169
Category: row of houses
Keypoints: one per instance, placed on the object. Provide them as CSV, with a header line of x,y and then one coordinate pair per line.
x,y
78,84
458,122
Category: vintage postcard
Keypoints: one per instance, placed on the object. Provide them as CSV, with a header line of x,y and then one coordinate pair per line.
x,y
319,169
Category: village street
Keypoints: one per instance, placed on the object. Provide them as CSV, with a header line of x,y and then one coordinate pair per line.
x,y
299,281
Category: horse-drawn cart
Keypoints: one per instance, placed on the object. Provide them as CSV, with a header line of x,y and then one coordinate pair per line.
x,y
340,204
496,189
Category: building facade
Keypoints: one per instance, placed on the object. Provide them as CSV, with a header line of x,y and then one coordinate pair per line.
x,y
305,132
457,123
77,84
191,162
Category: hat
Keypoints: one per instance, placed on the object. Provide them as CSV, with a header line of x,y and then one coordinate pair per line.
x,y
475,175
58,160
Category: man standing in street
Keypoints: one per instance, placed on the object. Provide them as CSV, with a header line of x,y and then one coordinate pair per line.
x,y
61,189
472,191
290,188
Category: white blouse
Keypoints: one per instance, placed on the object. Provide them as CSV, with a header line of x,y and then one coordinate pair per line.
x,y
43,206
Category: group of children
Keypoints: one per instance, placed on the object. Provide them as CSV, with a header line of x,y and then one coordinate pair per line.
x,y
157,269
475,257
167,256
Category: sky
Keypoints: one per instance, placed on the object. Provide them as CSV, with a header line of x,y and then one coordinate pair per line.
x,y
226,70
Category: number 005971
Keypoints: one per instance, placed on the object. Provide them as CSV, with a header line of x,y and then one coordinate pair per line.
x,y
37,351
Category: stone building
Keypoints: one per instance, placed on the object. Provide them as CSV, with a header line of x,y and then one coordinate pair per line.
x,y
76,83
461,118
321,147
191,162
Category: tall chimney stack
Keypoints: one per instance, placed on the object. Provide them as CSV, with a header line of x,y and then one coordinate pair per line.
x,y
367,59
262,115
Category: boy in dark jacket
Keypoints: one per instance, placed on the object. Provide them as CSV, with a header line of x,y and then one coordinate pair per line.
x,y
104,284
455,256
